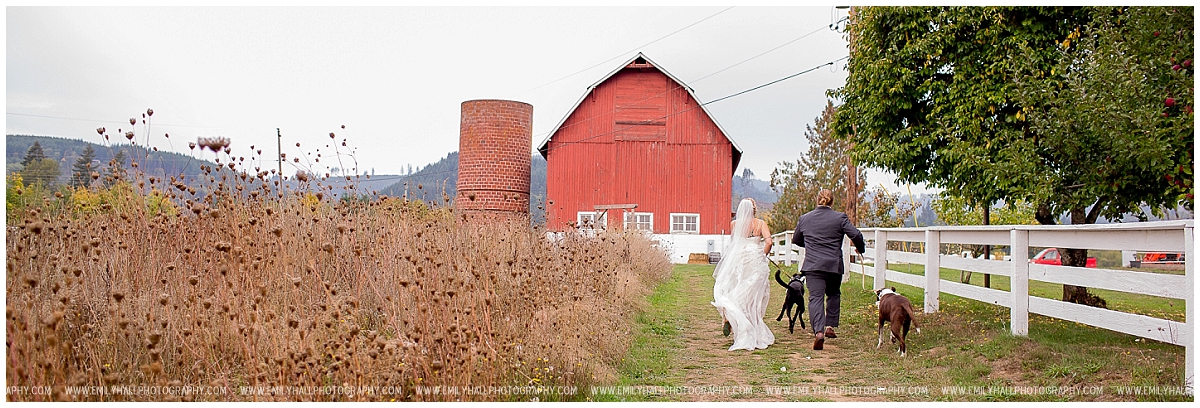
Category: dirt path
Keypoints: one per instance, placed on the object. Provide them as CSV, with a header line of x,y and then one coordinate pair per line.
x,y
964,354
789,370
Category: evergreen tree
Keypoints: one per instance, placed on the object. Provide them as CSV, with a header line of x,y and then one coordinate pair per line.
x,y
81,172
34,154
823,166
747,175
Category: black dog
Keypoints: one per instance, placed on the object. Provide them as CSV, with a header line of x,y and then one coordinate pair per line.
x,y
795,296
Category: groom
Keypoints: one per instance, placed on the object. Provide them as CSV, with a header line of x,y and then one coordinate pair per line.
x,y
820,232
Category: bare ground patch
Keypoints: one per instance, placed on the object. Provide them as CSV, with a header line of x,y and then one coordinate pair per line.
x,y
788,370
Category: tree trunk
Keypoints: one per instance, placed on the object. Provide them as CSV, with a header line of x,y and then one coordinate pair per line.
x,y
1078,257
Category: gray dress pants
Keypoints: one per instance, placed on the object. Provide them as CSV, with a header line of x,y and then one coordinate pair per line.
x,y
824,299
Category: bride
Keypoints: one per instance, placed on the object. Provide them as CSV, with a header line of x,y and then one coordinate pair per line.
x,y
742,285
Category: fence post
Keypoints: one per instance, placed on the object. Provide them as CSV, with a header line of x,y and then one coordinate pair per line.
x,y
793,251
1019,285
778,251
933,269
1189,351
880,258
790,254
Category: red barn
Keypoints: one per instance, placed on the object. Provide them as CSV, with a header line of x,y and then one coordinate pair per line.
x,y
639,137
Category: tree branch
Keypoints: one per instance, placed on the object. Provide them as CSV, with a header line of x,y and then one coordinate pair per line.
x,y
1095,212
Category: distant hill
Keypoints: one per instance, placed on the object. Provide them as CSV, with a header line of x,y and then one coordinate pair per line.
x,y
66,151
746,185
361,184
1179,213
428,183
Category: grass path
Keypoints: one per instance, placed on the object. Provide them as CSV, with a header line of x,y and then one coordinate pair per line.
x,y
679,354
699,366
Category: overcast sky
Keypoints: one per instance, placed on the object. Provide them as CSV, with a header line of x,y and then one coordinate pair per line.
x,y
395,77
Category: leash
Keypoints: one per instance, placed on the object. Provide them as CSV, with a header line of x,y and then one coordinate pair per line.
x,y
779,268
772,261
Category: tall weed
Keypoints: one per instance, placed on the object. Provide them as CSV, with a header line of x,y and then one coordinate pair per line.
x,y
236,284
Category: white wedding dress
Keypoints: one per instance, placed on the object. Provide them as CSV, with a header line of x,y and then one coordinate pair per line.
x,y
742,286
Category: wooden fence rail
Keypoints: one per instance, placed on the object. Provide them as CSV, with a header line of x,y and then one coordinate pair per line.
x,y
1159,236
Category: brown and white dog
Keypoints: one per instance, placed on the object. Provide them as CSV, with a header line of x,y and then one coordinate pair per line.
x,y
897,309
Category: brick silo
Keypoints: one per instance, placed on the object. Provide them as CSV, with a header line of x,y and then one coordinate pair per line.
x,y
495,144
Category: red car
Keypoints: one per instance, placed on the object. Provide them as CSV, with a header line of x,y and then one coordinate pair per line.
x,y
1162,257
1050,256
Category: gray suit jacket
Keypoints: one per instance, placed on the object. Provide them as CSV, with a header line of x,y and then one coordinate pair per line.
x,y
820,233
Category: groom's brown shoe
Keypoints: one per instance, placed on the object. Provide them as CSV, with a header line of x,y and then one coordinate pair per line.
x,y
829,334
819,343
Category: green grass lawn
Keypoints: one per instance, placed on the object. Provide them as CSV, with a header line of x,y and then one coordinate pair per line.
x,y
964,352
1154,306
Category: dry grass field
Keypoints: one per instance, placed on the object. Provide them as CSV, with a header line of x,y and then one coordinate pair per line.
x,y
151,290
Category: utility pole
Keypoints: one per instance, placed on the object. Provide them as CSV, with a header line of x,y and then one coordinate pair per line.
x,y
852,188
279,155
851,168
279,151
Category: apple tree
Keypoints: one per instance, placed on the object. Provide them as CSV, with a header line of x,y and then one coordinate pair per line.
x,y
1081,111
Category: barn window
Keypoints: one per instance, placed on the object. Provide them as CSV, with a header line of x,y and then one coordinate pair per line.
x,y
682,223
587,220
639,221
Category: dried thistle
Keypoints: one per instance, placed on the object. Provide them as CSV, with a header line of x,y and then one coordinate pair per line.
x,y
216,144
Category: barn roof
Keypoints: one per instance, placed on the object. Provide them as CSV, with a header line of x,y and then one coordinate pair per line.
x,y
737,150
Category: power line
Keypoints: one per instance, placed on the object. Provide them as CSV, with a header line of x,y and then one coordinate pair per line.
x,y
759,55
561,144
103,121
680,86
622,54
776,81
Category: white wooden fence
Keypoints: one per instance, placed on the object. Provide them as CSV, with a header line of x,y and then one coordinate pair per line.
x,y
1160,236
